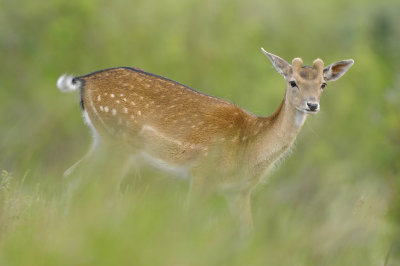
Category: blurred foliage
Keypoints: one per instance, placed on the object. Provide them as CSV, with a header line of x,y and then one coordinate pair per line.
x,y
335,201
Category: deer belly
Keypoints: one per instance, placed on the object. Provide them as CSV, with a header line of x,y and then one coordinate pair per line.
x,y
168,150
182,171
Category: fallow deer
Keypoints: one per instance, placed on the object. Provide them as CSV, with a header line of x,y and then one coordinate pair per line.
x,y
221,146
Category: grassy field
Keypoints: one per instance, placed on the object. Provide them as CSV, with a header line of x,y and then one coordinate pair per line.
x,y
334,201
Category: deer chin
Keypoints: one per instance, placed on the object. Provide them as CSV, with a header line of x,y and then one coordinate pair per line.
x,y
307,111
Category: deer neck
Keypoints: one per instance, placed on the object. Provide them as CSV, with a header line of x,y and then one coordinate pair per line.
x,y
278,133
286,122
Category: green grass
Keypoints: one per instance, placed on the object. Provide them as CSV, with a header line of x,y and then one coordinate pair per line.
x,y
147,223
334,201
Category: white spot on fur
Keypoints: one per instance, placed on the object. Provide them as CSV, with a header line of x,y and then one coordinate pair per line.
x,y
125,110
101,108
106,109
112,95
132,102
139,112
98,98
117,101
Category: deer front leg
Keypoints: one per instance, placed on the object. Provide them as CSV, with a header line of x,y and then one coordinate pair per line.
x,y
198,190
240,207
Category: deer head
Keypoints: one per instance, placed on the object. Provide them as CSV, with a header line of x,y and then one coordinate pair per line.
x,y
304,84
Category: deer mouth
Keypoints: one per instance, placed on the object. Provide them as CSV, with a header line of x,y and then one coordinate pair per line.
x,y
307,110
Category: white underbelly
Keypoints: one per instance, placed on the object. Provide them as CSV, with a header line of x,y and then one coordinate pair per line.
x,y
177,170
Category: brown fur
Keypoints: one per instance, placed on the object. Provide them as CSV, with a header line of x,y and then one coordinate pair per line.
x,y
191,118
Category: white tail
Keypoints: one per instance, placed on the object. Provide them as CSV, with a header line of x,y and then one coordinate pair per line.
x,y
222,146
66,83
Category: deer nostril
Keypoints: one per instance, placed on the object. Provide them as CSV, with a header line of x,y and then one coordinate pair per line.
x,y
312,106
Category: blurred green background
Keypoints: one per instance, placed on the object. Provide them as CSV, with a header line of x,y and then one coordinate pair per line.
x,y
334,201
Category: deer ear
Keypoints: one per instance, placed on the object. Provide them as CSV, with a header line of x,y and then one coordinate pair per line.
x,y
283,67
336,70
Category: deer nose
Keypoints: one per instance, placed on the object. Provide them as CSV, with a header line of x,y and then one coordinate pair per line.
x,y
312,105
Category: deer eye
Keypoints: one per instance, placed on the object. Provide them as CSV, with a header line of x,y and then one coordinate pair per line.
x,y
323,85
293,84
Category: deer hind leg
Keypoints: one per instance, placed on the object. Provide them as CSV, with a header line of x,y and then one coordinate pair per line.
x,y
92,150
104,173
122,165
240,208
